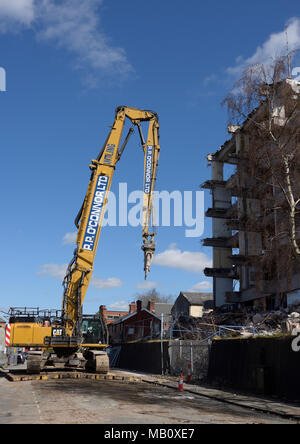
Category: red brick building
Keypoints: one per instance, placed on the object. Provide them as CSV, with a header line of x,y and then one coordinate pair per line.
x,y
142,323
112,315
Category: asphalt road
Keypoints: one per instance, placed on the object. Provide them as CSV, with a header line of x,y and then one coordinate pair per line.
x,y
86,401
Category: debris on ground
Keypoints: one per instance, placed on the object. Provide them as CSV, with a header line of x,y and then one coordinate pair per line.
x,y
242,322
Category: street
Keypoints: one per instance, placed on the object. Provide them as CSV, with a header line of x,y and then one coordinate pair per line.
x,y
86,401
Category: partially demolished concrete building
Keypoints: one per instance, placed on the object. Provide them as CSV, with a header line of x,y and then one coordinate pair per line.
x,y
235,278
221,211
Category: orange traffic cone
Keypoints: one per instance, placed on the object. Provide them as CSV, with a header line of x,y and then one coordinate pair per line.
x,y
189,375
180,384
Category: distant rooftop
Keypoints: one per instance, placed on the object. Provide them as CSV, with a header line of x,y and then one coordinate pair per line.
x,y
197,298
163,308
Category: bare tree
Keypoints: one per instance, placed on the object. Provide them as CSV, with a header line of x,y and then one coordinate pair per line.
x,y
155,296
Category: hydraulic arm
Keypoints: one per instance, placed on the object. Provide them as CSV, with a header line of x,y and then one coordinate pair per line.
x,y
89,219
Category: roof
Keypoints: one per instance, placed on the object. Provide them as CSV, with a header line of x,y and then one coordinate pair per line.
x,y
197,298
2,321
115,312
130,315
123,318
163,308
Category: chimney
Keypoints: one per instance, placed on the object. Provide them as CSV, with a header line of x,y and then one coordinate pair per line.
x,y
151,306
138,305
132,307
102,310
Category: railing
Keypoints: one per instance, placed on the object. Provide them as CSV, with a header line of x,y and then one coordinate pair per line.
x,y
33,314
114,354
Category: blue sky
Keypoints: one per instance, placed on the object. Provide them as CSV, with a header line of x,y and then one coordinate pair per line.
x,y
69,64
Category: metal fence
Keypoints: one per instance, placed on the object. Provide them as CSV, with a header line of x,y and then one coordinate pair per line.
x,y
114,355
183,353
195,353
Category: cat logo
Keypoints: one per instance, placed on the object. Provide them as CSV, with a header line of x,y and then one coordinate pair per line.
x,y
57,332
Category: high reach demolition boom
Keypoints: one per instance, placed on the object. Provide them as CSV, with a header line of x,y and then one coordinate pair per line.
x,y
90,216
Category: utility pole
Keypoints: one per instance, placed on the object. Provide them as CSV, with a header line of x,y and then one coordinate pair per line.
x,y
161,343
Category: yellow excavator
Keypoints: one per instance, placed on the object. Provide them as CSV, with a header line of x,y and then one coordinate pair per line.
x,y
67,337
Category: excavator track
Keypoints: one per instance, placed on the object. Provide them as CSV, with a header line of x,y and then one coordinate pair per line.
x,y
34,361
93,360
102,364
97,361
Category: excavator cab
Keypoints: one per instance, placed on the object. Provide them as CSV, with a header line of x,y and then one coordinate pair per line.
x,y
94,329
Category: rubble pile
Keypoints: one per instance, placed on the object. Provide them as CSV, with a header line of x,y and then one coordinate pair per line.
x,y
244,322
266,323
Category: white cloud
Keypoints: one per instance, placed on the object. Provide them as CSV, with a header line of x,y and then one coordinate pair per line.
x,y
73,25
122,306
53,270
273,47
106,283
194,262
147,285
59,271
69,238
18,11
200,286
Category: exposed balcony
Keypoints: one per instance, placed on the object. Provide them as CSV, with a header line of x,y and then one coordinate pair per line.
x,y
218,213
211,184
228,273
218,242
226,153
222,242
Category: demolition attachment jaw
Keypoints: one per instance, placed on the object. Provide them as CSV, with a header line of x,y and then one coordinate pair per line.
x,y
148,249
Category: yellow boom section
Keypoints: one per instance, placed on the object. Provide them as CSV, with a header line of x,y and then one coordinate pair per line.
x,y
89,221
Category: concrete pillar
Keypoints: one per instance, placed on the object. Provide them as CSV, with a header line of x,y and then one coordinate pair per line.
x,y
221,198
